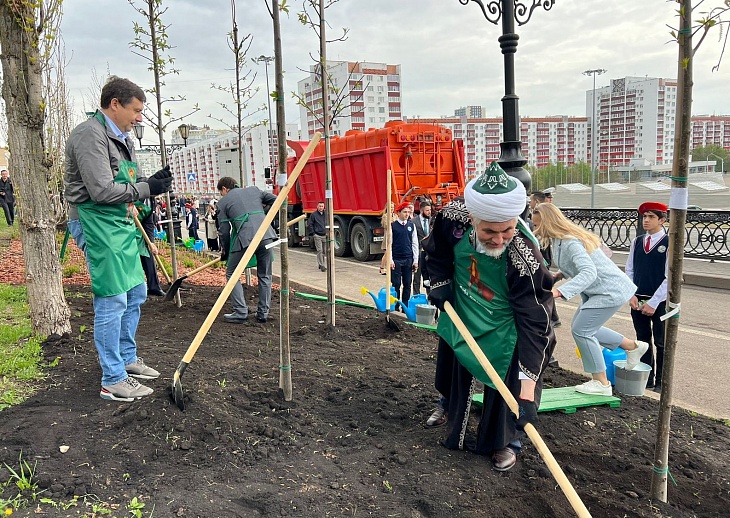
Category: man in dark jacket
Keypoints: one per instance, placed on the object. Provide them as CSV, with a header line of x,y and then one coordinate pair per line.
x,y
317,228
240,215
7,198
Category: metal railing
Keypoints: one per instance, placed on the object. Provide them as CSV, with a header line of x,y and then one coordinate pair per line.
x,y
707,231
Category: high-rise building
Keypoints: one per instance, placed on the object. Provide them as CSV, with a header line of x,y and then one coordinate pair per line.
x,y
362,95
471,112
710,130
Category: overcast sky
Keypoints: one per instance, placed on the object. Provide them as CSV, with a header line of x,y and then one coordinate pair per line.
x,y
449,53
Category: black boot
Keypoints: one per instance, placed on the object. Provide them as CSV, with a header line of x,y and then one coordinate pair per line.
x,y
659,367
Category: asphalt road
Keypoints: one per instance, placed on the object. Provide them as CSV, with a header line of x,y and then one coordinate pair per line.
x,y
703,349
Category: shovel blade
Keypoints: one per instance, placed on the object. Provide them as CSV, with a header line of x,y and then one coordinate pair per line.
x,y
173,289
177,394
392,324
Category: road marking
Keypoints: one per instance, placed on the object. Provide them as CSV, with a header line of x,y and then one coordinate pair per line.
x,y
682,329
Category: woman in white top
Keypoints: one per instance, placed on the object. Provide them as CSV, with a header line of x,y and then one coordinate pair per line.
x,y
603,289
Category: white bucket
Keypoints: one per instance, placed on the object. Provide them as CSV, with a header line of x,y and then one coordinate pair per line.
x,y
425,314
631,383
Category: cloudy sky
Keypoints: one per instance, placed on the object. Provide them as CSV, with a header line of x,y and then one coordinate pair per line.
x,y
449,53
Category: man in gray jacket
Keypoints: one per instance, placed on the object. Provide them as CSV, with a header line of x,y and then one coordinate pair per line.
x,y
240,215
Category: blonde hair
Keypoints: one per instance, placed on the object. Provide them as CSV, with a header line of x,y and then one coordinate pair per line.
x,y
554,225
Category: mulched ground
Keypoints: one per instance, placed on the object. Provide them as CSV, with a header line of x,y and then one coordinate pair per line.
x,y
351,443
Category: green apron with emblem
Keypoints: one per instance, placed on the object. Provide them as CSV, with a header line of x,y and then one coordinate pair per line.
x,y
112,239
481,300
236,225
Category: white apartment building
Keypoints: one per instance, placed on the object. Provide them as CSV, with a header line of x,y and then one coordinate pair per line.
x,y
546,140
370,94
198,167
710,130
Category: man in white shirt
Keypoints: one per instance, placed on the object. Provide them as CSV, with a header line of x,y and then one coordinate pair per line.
x,y
646,266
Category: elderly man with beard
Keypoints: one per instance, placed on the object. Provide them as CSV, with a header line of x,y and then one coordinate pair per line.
x,y
484,260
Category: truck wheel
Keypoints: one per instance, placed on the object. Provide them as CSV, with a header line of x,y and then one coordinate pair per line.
x,y
342,247
360,243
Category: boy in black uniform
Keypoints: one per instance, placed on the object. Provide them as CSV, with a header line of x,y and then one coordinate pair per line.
x,y
646,266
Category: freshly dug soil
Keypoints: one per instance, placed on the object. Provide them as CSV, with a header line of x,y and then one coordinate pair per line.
x,y
351,443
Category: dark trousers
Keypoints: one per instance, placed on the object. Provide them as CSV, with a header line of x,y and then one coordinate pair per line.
x,y
650,329
9,210
150,272
419,274
402,274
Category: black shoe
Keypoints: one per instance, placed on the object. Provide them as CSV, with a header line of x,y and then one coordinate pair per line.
x,y
553,362
262,320
557,323
157,293
322,268
234,318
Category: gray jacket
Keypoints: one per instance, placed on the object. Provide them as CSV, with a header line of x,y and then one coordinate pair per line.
x,y
597,279
236,203
93,153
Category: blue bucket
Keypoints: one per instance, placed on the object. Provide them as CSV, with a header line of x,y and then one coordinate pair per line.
x,y
609,357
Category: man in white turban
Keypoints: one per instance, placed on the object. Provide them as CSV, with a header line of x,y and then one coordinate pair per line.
x,y
487,264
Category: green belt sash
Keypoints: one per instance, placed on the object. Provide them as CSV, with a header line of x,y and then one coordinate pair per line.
x,y
236,225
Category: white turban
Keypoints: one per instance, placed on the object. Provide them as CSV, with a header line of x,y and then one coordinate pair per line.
x,y
495,196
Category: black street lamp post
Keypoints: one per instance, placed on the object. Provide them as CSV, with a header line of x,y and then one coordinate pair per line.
x,y
269,130
509,11
184,130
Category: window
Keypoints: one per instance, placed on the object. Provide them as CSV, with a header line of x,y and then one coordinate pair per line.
x,y
381,109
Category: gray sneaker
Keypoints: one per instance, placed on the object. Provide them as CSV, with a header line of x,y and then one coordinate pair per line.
x,y
141,371
126,390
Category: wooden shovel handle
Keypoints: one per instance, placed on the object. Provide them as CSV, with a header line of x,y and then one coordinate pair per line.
x,y
235,276
201,268
578,505
149,247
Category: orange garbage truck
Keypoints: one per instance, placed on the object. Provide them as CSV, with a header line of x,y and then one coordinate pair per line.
x,y
427,163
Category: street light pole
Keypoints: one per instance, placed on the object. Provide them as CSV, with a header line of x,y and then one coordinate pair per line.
x,y
722,162
267,60
509,12
594,73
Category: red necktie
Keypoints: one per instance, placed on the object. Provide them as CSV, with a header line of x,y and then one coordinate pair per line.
x,y
647,244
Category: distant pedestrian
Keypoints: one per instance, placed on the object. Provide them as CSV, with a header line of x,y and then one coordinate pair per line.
x,y
192,223
647,265
403,253
7,197
211,227
423,229
317,229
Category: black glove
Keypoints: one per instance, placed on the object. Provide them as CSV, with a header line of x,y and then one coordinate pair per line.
x,y
441,293
224,254
160,182
528,413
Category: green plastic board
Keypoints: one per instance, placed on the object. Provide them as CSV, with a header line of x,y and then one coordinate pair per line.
x,y
337,301
423,326
565,399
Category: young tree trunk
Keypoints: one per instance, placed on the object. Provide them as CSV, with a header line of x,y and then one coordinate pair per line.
x,y
285,383
329,188
678,218
25,109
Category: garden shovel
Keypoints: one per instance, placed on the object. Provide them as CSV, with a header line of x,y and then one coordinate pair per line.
x,y
178,282
578,505
177,390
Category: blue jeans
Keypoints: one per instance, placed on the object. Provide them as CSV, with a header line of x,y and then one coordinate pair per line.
x,y
589,335
115,322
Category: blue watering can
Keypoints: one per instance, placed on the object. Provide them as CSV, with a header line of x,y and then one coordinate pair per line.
x,y
414,301
380,299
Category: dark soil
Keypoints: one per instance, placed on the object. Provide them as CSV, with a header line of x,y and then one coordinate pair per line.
x,y
351,443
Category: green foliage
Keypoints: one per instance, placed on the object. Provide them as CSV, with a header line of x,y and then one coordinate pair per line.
x,y
135,507
712,152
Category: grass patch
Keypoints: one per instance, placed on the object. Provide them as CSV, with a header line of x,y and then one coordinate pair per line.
x,y
21,354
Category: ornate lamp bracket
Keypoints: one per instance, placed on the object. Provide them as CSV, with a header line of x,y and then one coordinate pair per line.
x,y
492,9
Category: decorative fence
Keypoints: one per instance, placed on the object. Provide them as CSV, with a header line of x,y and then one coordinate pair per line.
x,y
707,231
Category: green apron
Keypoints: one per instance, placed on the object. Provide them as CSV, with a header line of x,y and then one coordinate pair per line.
x,y
236,225
481,300
112,239
143,211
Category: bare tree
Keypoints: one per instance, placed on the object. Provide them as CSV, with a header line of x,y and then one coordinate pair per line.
x,y
151,43
678,206
29,33
240,90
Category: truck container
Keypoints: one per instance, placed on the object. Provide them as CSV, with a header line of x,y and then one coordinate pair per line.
x,y
426,164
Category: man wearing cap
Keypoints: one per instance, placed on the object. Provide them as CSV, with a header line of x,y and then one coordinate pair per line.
x,y
646,266
403,252
483,260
